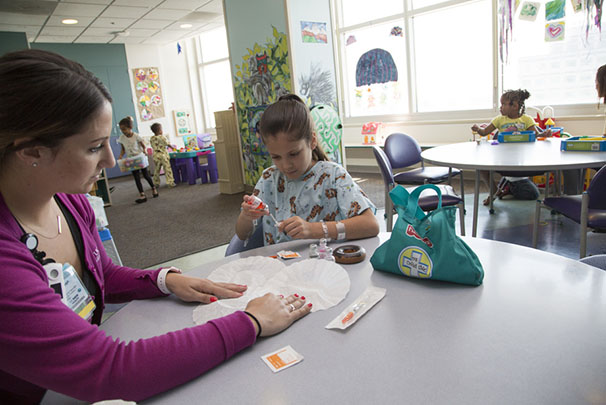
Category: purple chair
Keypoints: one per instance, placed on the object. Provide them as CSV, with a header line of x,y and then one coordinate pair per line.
x,y
403,151
587,209
428,200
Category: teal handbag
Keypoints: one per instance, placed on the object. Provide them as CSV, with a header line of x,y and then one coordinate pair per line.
x,y
425,246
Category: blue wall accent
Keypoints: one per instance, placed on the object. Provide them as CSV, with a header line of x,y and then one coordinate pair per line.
x,y
12,41
107,62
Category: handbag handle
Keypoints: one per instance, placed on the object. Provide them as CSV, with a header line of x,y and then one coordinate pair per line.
x,y
409,202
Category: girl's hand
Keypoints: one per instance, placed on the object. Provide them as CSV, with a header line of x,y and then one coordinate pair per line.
x,y
297,228
193,289
249,212
275,313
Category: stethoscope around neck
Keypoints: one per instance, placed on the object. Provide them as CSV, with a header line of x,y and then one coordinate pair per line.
x,y
31,242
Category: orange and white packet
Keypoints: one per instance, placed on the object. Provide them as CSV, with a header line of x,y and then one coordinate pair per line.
x,y
282,358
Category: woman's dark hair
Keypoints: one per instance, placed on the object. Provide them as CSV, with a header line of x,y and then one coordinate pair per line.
x,y
290,115
155,127
600,78
127,122
46,97
519,96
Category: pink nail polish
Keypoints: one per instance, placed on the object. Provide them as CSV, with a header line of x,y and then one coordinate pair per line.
x,y
309,305
296,295
281,296
303,297
213,299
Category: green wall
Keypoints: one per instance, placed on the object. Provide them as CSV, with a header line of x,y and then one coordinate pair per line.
x,y
12,41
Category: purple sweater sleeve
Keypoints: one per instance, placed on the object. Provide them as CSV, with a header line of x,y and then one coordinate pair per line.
x,y
45,344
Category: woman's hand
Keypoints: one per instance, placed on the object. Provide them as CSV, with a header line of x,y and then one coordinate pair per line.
x,y
249,212
193,289
275,313
297,228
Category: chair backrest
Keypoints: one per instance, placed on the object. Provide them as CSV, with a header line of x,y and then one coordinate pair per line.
x,y
402,150
236,245
598,261
597,190
384,165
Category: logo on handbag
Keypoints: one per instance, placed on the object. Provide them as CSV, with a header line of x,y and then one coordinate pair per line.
x,y
410,231
415,262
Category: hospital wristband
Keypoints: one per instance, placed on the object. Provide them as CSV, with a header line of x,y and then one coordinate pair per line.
x,y
325,230
162,278
341,231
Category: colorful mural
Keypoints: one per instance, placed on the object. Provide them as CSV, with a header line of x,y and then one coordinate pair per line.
x,y
259,81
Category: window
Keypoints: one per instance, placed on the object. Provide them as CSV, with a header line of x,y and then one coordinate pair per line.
x,y
217,89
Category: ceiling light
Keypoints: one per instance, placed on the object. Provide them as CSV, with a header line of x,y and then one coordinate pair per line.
x,y
69,21
186,25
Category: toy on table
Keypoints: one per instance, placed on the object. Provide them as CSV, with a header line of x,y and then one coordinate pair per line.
x,y
516,136
349,254
325,252
584,144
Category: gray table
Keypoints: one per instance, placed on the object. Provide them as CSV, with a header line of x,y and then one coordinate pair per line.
x,y
534,332
519,156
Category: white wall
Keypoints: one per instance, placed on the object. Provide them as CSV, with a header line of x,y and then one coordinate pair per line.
x,y
174,81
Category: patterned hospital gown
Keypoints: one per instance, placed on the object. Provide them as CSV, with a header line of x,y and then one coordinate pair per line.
x,y
161,159
326,192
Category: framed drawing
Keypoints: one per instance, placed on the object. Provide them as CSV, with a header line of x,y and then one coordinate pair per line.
x,y
183,122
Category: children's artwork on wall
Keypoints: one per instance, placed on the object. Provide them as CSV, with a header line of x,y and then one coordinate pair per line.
x,y
259,81
593,10
396,32
329,129
350,40
314,32
577,5
183,122
529,11
148,93
555,31
554,10
317,86
376,66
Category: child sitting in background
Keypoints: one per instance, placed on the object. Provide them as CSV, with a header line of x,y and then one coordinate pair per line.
x,y
512,118
310,196
132,145
161,157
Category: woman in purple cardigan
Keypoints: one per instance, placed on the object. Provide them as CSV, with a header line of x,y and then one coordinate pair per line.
x,y
55,124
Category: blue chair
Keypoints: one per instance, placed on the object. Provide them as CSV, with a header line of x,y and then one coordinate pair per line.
x,y
403,151
428,200
587,209
236,245
598,261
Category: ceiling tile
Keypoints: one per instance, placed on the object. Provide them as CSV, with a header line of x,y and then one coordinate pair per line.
x,y
25,19
167,14
137,3
104,22
125,12
170,35
55,21
176,26
151,24
183,4
92,32
62,31
128,40
93,40
78,10
30,30
214,6
103,2
136,32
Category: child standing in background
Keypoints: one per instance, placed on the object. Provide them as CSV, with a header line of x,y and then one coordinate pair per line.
x,y
310,196
512,118
161,156
132,145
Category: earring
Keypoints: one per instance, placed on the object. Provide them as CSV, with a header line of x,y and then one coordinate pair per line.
x,y
35,164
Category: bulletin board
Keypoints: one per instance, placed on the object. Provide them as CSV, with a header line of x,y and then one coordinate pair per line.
x,y
148,92
183,122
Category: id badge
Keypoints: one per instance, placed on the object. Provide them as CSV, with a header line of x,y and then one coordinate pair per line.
x,y
77,296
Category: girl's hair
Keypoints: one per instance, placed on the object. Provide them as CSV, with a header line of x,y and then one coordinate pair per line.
x,y
290,116
127,122
600,78
45,97
155,127
519,96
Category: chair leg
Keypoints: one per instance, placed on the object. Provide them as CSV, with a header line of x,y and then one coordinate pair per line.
x,y
462,191
388,211
449,175
584,212
462,217
535,226
491,192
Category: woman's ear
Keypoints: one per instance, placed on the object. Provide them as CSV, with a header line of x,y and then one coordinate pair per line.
x,y
30,154
314,140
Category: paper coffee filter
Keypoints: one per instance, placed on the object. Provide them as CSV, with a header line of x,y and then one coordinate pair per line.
x,y
323,283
